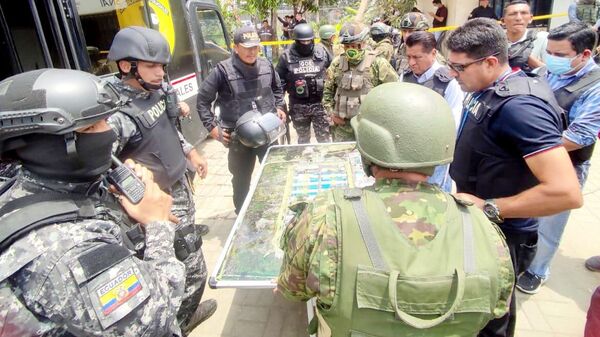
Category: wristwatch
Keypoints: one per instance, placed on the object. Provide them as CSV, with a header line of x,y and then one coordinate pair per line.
x,y
491,210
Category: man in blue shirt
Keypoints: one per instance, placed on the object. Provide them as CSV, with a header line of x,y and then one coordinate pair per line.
x,y
509,157
426,71
575,80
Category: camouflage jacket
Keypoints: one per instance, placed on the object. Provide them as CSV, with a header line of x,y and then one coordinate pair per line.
x,y
381,72
385,49
310,242
77,277
312,250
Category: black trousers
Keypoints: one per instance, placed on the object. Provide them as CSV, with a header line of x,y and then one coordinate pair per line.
x,y
241,160
522,247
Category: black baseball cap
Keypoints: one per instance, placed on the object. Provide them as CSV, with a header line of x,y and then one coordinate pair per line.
x,y
247,37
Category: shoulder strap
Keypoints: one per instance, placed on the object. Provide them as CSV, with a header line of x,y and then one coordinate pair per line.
x,y
354,195
585,82
468,237
443,74
34,211
366,63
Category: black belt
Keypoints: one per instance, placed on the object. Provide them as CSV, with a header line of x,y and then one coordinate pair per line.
x,y
183,248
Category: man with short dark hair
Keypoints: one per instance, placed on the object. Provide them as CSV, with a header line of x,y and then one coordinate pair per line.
x,y
510,163
526,47
240,84
575,79
425,70
483,11
440,17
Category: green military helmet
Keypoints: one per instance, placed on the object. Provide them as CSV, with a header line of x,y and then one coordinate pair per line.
x,y
414,21
353,32
405,126
326,31
380,28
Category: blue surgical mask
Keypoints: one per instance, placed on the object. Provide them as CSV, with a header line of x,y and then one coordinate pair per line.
x,y
558,65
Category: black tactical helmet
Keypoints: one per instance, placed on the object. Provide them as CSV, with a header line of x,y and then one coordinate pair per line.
x,y
42,101
140,43
254,129
303,32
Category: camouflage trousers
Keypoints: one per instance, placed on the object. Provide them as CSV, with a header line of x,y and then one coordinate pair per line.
x,y
343,133
303,115
195,267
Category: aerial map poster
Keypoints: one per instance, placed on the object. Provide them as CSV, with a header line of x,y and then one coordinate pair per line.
x,y
251,257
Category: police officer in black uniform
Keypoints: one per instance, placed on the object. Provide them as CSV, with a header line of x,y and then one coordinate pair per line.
x,y
511,164
147,133
243,83
302,72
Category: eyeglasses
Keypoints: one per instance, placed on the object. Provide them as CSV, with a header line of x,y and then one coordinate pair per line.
x,y
459,68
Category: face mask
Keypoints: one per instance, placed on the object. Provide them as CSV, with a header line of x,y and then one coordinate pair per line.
x,y
46,155
354,56
304,49
558,65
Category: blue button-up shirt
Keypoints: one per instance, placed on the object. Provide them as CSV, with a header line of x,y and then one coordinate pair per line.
x,y
584,116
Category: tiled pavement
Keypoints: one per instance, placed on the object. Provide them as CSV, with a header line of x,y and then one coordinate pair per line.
x,y
558,310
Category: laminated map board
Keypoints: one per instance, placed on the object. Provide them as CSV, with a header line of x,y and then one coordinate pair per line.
x,y
251,257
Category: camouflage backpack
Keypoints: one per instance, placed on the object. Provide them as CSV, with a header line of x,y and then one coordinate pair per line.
x,y
587,11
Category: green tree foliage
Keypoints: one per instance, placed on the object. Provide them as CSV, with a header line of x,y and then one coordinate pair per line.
x,y
390,10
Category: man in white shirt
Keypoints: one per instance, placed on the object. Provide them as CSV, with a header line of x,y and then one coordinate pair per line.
x,y
425,70
526,47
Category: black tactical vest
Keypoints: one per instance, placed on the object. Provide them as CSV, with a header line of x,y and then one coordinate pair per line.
x,y
306,75
159,150
488,167
566,97
518,53
245,93
438,82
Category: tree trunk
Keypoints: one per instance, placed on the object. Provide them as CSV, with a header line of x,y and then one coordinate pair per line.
x,y
274,23
361,10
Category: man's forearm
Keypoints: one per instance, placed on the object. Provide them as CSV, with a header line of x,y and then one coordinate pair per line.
x,y
540,200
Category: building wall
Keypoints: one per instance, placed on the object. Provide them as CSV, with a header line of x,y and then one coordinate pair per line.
x,y
559,6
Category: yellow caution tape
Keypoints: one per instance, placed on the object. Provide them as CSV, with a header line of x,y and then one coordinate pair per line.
x,y
539,17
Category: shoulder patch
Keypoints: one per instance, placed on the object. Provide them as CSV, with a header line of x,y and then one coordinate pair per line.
x,y
117,292
443,74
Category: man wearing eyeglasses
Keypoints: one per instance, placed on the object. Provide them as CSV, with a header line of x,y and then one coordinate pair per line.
x,y
509,158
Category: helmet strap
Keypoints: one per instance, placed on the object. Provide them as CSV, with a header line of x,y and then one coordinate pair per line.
x,y
144,84
70,139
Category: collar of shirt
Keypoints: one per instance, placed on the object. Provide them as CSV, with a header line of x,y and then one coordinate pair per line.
x,y
429,73
559,81
521,39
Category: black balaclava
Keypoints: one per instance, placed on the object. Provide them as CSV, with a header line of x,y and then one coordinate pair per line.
x,y
46,156
304,49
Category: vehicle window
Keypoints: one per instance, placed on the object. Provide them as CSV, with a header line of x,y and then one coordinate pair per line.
x,y
100,21
212,30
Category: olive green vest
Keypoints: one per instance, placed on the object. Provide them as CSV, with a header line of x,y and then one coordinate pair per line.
x,y
450,287
353,85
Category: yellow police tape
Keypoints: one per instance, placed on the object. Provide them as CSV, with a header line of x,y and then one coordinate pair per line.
x,y
539,17
437,29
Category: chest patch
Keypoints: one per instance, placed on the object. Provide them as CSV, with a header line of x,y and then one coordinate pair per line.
x,y
306,67
152,115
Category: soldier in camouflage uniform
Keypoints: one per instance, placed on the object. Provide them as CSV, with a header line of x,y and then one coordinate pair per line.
x,y
146,133
327,34
74,273
301,69
411,22
350,77
404,211
381,35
